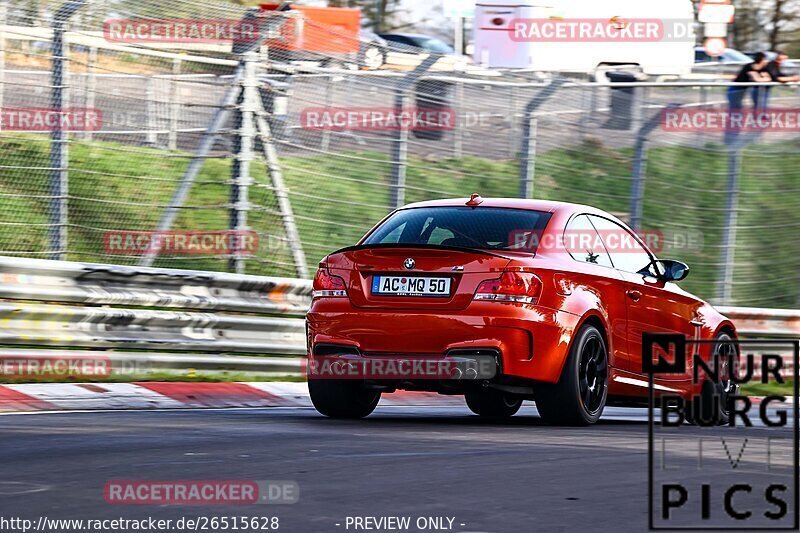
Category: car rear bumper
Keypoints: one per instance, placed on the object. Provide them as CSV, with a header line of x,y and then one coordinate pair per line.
x,y
532,341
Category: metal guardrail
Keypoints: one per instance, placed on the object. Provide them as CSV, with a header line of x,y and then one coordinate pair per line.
x,y
753,322
773,324
187,319
98,284
63,304
100,327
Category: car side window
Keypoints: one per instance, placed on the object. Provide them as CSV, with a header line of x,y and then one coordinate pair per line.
x,y
584,244
626,252
440,235
398,39
394,236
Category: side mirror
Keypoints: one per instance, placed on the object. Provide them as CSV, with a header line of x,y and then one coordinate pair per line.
x,y
667,269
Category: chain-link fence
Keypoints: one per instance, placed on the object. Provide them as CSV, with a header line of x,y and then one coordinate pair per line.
x,y
296,139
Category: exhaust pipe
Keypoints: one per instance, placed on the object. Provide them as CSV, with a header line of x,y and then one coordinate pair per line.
x,y
471,373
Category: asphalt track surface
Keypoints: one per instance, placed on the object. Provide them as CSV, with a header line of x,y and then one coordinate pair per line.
x,y
518,475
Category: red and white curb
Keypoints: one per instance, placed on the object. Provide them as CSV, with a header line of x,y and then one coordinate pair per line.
x,y
158,395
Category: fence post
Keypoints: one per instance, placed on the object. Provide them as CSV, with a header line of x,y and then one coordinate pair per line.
x,y
399,159
91,84
326,134
513,142
640,167
243,141
725,292
400,136
703,103
59,153
585,113
150,110
174,106
458,134
638,103
528,160
3,19
527,156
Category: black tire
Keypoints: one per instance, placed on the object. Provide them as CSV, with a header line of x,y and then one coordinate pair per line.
x,y
579,397
339,64
342,399
371,57
491,403
711,407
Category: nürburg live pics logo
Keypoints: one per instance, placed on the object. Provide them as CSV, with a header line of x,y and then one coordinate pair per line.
x,y
723,433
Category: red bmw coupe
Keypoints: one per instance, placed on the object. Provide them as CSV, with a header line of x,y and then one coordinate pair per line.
x,y
501,300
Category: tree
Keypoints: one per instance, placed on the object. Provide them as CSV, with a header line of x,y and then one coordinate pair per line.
x,y
767,24
783,19
747,24
24,12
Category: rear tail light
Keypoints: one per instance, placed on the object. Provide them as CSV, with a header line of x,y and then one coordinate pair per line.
x,y
520,287
328,286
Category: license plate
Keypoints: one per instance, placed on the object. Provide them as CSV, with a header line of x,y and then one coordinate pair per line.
x,y
410,286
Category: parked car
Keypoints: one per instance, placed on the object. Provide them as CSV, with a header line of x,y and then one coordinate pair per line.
x,y
728,56
465,279
373,50
372,54
752,54
405,42
406,51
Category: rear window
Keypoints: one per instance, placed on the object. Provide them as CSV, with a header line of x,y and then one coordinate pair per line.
x,y
486,228
435,45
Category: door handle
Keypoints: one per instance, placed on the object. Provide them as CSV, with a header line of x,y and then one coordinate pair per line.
x,y
697,323
634,295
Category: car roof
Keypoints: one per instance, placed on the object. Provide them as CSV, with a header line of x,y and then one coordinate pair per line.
x,y
698,48
515,203
410,35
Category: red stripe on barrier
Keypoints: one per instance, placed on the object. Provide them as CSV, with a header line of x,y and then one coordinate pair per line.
x,y
216,394
12,400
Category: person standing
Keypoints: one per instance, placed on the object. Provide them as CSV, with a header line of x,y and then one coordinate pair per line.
x,y
776,74
754,72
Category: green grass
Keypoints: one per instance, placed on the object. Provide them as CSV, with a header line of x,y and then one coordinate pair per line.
x,y
337,198
767,389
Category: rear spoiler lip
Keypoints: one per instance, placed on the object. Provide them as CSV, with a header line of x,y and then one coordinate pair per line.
x,y
481,251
